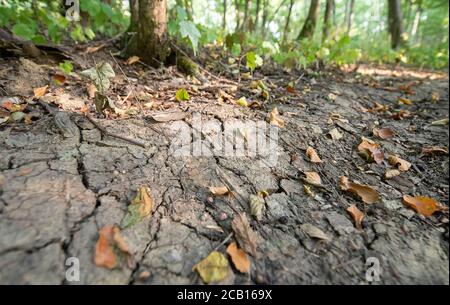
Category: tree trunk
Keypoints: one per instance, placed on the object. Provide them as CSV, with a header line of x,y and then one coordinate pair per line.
x,y
288,20
258,7
134,19
151,43
416,24
246,15
264,17
395,19
224,19
350,14
310,24
188,8
329,9
237,5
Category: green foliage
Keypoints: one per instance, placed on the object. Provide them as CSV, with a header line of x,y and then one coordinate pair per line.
x,y
184,28
182,95
66,67
253,61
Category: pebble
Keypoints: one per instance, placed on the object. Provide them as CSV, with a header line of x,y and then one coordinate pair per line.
x,y
408,214
223,216
210,200
144,275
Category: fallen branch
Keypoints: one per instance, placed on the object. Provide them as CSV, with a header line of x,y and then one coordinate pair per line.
x,y
107,133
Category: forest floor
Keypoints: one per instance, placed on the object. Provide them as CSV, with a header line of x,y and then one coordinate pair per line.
x,y
62,180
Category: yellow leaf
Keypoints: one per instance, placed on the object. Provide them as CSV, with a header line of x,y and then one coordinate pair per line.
x,y
422,205
391,173
242,102
312,155
239,258
366,193
274,119
404,101
132,60
213,268
39,92
357,215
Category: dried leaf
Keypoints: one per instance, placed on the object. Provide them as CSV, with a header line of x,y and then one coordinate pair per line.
x,y
307,190
434,150
401,164
379,108
257,206
435,97
168,117
39,92
366,193
274,118
312,155
357,215
104,251
213,268
91,90
59,79
246,237
219,190
314,232
440,122
239,258
404,101
335,134
391,173
401,115
139,208
383,133
372,150
313,178
132,60
422,205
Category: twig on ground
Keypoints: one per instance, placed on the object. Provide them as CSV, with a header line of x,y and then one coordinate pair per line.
x,y
107,133
224,241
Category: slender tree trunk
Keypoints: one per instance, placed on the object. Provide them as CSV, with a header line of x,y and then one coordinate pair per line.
x,y
258,7
246,15
265,15
134,19
395,19
351,8
237,5
224,20
188,8
151,40
416,24
329,9
288,20
310,24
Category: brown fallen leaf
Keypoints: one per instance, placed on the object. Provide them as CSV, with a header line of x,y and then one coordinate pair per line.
x,y
214,268
371,150
366,193
239,258
391,173
40,92
219,190
111,248
104,252
423,205
335,134
314,232
59,79
313,178
435,97
132,60
434,150
275,119
91,89
379,108
383,133
357,216
312,155
246,237
401,164
402,114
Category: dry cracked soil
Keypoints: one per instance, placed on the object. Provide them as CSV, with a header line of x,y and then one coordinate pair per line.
x,y
62,180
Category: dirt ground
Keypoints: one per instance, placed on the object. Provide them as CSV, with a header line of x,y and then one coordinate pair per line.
x,y
62,180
